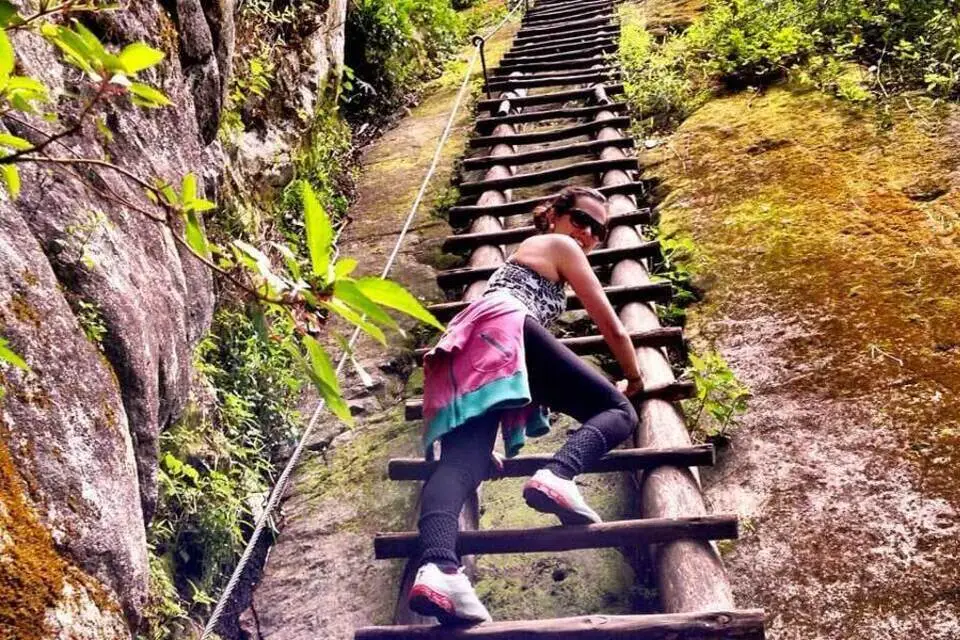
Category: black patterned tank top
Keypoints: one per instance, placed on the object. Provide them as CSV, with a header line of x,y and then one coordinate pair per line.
x,y
545,298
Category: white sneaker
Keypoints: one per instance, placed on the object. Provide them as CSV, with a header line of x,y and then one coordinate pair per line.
x,y
549,493
448,597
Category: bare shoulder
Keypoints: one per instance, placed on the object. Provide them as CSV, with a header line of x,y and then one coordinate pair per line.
x,y
548,245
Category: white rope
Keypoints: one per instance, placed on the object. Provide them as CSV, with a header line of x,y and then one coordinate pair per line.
x,y
279,488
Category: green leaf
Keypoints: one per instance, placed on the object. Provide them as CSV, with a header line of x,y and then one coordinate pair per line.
x,y
350,293
331,394
201,204
138,56
7,355
195,235
188,188
390,294
146,96
14,142
344,267
73,47
289,258
7,57
355,319
260,322
11,178
259,263
319,230
103,129
8,14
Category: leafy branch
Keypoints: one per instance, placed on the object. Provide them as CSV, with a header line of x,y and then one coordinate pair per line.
x,y
302,292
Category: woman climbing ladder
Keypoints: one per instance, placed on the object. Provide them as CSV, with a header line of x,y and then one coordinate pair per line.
x,y
497,365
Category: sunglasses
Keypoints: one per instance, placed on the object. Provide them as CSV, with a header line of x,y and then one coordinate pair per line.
x,y
583,220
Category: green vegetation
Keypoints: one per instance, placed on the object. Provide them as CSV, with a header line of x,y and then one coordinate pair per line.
x,y
91,321
392,47
856,49
720,397
215,467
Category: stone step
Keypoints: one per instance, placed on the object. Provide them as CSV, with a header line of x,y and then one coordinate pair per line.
x,y
745,624
620,533
702,455
453,278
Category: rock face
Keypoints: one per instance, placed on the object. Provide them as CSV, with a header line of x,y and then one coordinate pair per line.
x,y
81,430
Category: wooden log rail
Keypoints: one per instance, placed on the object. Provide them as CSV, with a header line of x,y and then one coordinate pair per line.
x,y
570,537
713,625
527,465
690,574
562,44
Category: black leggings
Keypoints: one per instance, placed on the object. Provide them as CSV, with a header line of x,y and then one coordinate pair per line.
x,y
559,380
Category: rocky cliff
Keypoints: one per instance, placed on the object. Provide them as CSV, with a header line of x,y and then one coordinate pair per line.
x,y
106,308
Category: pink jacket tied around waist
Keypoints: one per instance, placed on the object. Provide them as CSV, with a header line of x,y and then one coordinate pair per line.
x,y
479,366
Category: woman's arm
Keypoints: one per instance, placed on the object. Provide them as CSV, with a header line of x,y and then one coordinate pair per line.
x,y
572,266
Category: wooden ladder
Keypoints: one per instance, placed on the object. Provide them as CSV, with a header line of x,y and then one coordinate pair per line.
x,y
563,43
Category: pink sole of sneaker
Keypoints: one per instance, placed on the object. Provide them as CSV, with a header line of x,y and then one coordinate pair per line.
x,y
427,602
545,500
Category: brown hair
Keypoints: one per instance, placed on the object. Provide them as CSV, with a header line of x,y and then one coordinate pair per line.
x,y
561,203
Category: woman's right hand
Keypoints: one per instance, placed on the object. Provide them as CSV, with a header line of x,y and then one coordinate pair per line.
x,y
630,387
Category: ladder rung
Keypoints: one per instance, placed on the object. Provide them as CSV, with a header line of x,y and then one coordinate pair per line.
x,y
532,82
452,278
587,10
702,455
547,10
622,294
548,98
590,25
413,408
581,62
563,27
519,61
465,241
553,153
538,41
549,114
462,215
585,345
537,137
534,178
558,19
575,46
746,624
621,533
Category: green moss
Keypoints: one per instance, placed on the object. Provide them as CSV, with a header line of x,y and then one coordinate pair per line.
x,y
555,584
23,310
357,471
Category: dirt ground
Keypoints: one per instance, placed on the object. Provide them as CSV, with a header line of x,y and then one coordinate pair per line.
x,y
829,258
